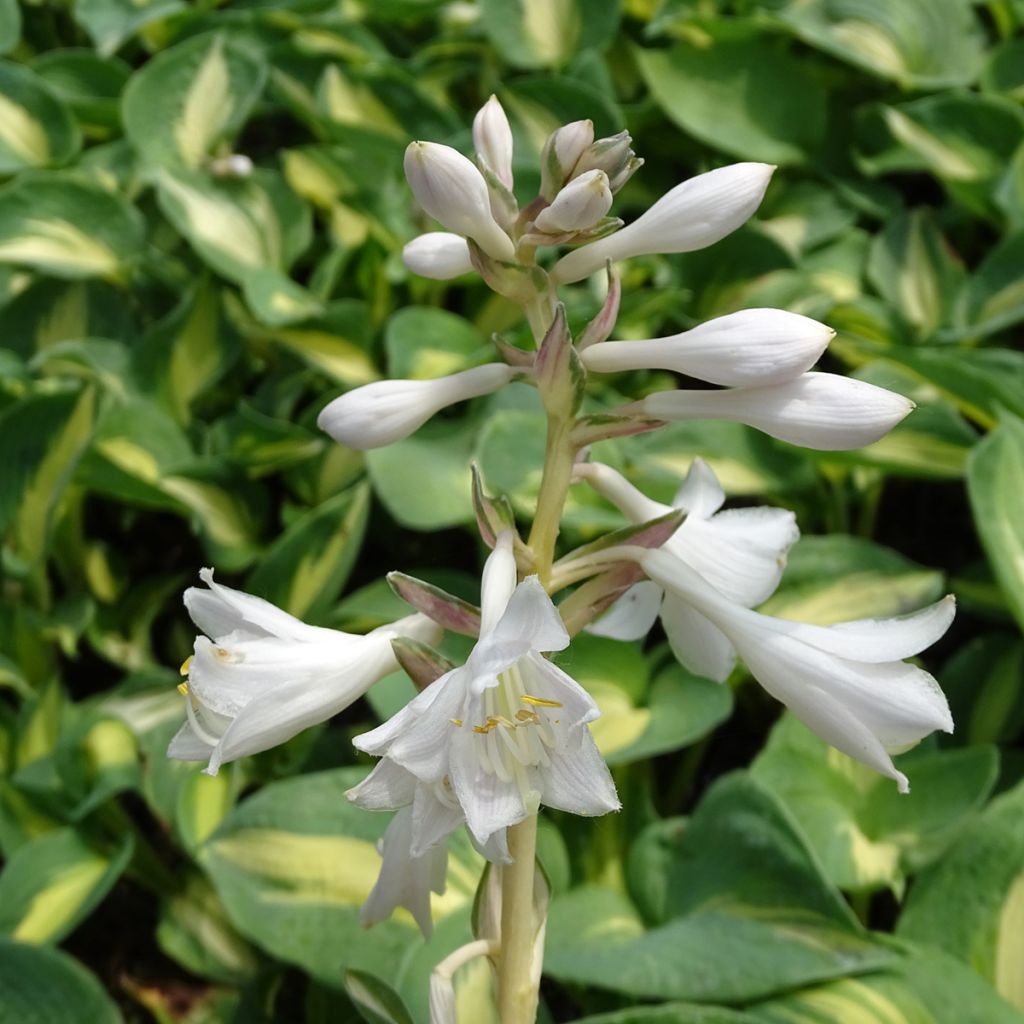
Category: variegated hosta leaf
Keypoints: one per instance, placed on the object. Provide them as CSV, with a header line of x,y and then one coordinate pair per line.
x,y
199,93
64,225
36,128
110,22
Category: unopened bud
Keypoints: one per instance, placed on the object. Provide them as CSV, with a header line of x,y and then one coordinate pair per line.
x,y
439,255
612,155
561,152
234,165
578,206
451,189
492,139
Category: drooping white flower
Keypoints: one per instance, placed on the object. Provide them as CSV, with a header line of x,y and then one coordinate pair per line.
x,y
753,347
578,206
439,255
561,151
491,740
259,676
740,552
453,191
847,682
693,215
816,410
492,140
388,410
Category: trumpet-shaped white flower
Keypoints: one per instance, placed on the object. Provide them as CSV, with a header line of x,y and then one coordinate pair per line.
x,y
751,347
439,255
260,676
491,740
740,552
562,150
816,410
492,140
388,410
453,191
578,206
847,682
693,215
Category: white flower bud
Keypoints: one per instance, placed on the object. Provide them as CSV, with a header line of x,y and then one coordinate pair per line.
x,y
234,165
561,151
578,206
451,189
492,139
439,255
388,410
613,155
751,347
693,215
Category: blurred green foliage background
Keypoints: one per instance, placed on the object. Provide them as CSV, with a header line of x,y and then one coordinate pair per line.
x,y
172,324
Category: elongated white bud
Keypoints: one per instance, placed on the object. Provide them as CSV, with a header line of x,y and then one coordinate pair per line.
x,y
578,206
562,150
451,189
817,410
693,215
388,410
492,140
613,155
752,347
439,255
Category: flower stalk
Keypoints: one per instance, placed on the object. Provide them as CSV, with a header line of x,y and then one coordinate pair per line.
x,y
517,988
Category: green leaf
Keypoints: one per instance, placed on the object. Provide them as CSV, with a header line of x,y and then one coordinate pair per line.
x,y
744,96
995,485
10,25
836,578
865,834
50,884
926,44
43,986
671,1013
376,1001
63,225
984,682
109,23
971,904
423,343
89,84
306,568
740,912
200,92
36,128
994,296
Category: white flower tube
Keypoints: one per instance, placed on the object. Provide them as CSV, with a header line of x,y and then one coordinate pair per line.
x,y
439,255
492,140
260,676
824,411
453,191
499,735
845,682
578,206
388,410
751,347
693,215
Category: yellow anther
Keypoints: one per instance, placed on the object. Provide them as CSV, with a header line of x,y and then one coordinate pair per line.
x,y
539,702
527,716
455,721
492,723
183,689
185,665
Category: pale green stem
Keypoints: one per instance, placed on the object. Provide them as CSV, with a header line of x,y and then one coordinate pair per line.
x,y
517,992
559,457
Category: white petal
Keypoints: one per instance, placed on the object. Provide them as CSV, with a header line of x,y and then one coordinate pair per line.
x,y
438,255
386,411
613,486
753,347
701,494
817,410
489,804
632,615
451,189
547,681
386,788
187,746
693,215
578,780
433,820
562,150
378,741
578,206
497,582
698,645
531,615
492,140
423,744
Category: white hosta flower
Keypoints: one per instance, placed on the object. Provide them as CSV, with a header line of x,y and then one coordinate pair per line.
x,y
453,191
824,411
693,215
740,552
562,150
578,206
751,347
388,410
439,255
847,682
491,740
260,676
492,140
